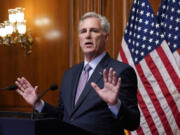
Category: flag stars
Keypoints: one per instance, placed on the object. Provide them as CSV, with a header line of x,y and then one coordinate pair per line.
x,y
132,50
145,30
130,33
176,28
137,19
137,44
131,25
142,53
163,15
162,36
157,25
150,40
171,18
170,27
147,14
175,37
164,6
132,17
172,9
178,11
142,12
177,20
129,41
143,46
133,42
133,9
169,35
143,4
140,20
157,42
126,31
136,59
149,47
138,36
175,46
139,28
152,24
144,38
151,32
157,33
136,52
146,22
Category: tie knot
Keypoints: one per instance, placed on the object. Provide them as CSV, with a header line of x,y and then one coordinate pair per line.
x,y
87,68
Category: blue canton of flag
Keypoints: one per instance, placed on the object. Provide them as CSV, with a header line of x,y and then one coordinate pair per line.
x,y
169,20
143,32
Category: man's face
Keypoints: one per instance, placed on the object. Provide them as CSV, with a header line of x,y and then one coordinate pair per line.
x,y
92,38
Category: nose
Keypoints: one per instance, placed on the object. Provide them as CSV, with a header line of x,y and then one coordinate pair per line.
x,y
88,34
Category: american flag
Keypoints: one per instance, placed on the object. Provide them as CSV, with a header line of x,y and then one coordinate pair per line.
x,y
144,48
169,20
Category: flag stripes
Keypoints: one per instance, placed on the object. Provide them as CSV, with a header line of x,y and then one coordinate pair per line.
x,y
151,108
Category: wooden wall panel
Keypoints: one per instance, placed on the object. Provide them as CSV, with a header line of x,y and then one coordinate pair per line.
x,y
56,45
49,22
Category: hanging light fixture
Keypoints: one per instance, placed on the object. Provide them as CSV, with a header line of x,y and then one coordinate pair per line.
x,y
14,31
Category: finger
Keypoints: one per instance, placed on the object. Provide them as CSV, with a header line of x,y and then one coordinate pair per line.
x,y
20,92
110,75
26,82
114,78
36,90
105,75
118,85
96,88
19,85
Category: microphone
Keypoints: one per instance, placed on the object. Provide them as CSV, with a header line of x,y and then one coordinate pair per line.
x,y
10,87
52,87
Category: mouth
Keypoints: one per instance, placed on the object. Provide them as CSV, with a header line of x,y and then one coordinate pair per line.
x,y
88,43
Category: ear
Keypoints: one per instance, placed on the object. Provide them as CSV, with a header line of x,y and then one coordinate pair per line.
x,y
107,37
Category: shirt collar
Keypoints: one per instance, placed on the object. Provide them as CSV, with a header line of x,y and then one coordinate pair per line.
x,y
93,63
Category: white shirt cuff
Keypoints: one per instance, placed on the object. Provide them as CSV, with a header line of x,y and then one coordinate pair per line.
x,y
115,108
40,107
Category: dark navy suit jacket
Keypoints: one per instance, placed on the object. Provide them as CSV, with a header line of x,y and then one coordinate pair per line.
x,y
91,112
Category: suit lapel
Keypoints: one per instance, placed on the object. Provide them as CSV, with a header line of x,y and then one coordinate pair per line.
x,y
96,76
75,83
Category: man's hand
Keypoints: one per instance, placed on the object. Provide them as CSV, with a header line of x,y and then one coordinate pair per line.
x,y
27,91
111,87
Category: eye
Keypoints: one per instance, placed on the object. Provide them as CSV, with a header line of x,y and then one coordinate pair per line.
x,y
83,31
95,30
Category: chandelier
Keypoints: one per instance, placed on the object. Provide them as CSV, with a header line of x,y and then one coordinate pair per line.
x,y
14,30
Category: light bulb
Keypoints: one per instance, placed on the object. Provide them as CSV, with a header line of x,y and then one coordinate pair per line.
x,y
19,14
12,15
2,30
21,27
8,27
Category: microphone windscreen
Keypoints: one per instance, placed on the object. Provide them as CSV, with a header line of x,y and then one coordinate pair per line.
x,y
12,87
53,87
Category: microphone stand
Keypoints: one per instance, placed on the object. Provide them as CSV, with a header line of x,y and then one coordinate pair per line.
x,y
53,87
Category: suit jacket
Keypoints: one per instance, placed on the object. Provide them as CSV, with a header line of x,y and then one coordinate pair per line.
x,y
91,112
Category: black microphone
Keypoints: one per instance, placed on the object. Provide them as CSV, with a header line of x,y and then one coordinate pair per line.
x,y
10,87
52,87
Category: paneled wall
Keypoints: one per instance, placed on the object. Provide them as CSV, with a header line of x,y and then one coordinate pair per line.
x,y
55,42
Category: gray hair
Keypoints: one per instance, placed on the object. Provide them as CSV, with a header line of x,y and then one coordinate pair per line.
x,y
104,22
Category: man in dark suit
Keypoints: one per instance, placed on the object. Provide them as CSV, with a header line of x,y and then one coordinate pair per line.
x,y
101,99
